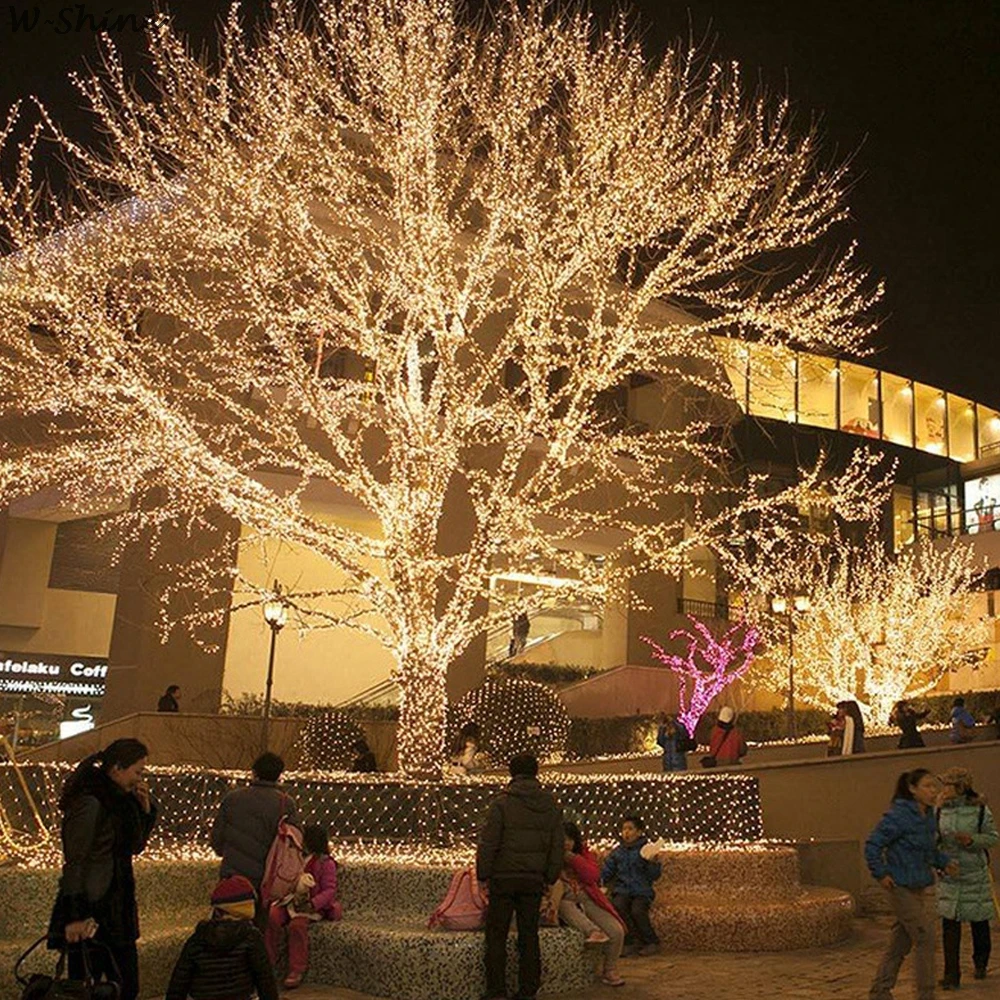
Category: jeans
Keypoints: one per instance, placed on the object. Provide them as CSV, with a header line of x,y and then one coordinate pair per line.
x,y
125,957
580,911
634,910
505,901
951,938
913,929
298,939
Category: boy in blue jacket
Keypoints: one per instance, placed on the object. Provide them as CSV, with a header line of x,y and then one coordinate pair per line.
x,y
632,869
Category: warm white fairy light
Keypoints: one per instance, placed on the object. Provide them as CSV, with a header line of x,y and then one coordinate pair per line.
x,y
879,627
406,255
327,741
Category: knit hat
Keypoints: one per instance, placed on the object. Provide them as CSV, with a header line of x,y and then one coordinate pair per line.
x,y
726,714
960,777
235,896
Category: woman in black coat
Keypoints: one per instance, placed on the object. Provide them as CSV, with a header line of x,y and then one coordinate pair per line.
x,y
107,818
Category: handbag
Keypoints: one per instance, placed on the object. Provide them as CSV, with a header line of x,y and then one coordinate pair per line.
x,y
39,986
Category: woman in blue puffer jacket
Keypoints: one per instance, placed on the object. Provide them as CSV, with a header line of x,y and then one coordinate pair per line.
x,y
902,855
967,832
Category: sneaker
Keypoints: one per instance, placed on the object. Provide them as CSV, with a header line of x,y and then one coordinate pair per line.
x,y
597,937
293,980
649,949
612,979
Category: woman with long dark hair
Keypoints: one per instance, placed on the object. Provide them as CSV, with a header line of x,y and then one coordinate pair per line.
x,y
108,814
902,855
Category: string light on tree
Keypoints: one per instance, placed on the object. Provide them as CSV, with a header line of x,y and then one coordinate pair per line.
x,y
708,667
373,254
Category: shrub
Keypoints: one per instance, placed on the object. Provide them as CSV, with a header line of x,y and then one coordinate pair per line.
x,y
556,674
327,742
514,716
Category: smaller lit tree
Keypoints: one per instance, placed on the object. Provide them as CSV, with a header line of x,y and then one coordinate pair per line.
x,y
880,627
708,667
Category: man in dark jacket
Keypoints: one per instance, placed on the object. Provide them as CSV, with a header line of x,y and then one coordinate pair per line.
x,y
248,819
520,851
225,957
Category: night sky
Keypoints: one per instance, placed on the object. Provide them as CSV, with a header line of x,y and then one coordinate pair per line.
x,y
908,88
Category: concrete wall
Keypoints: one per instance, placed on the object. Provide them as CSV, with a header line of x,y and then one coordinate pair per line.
x,y
622,691
217,741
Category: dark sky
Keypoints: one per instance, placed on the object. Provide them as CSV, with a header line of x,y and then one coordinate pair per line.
x,y
910,88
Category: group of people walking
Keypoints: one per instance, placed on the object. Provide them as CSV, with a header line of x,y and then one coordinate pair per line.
x,y
937,829
108,814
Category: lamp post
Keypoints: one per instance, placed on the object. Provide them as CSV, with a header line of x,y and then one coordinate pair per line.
x,y
275,614
789,607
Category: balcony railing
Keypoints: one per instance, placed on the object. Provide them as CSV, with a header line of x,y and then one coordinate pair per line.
x,y
703,609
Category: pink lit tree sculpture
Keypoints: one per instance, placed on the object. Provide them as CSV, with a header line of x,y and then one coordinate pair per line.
x,y
708,667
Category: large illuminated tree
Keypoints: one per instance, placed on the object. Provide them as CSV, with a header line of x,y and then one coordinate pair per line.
x,y
879,627
493,224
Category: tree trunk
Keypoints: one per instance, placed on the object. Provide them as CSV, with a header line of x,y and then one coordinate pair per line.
x,y
423,709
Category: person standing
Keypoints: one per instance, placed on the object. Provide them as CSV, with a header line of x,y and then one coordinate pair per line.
x,y
674,740
726,745
519,852
854,728
520,630
247,822
906,717
902,856
967,831
108,814
170,699
632,869
963,725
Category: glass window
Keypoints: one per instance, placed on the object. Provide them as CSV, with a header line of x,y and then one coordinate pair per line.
x,y
897,409
772,382
989,431
982,504
817,391
961,429
859,409
930,411
902,517
924,514
734,356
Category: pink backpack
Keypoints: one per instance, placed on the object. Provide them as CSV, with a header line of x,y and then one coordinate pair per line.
x,y
464,905
286,861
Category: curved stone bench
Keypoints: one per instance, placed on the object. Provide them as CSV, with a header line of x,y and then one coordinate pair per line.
x,y
744,898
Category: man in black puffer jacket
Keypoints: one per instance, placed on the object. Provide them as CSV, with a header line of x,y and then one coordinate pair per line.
x,y
225,957
520,851
248,819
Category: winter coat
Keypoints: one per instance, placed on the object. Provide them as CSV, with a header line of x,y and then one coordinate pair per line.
x,y
168,703
674,758
102,828
968,895
904,845
223,958
584,868
246,825
323,895
961,718
523,839
630,872
727,745
907,721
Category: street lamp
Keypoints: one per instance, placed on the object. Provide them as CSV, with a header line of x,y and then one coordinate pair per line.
x,y
275,614
790,607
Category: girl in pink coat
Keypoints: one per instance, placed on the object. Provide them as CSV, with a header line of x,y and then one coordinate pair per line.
x,y
586,908
315,899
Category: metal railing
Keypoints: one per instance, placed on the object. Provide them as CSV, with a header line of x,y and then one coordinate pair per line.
x,y
703,609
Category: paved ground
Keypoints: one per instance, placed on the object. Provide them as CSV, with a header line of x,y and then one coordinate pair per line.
x,y
836,973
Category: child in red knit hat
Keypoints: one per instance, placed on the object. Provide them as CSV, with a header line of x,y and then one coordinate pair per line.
x,y
225,956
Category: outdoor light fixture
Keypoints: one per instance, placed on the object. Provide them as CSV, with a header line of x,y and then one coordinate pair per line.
x,y
275,610
791,606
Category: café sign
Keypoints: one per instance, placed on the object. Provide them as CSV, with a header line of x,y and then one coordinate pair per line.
x,y
44,673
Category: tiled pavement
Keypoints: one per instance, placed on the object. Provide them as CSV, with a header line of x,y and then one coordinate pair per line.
x,y
835,973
